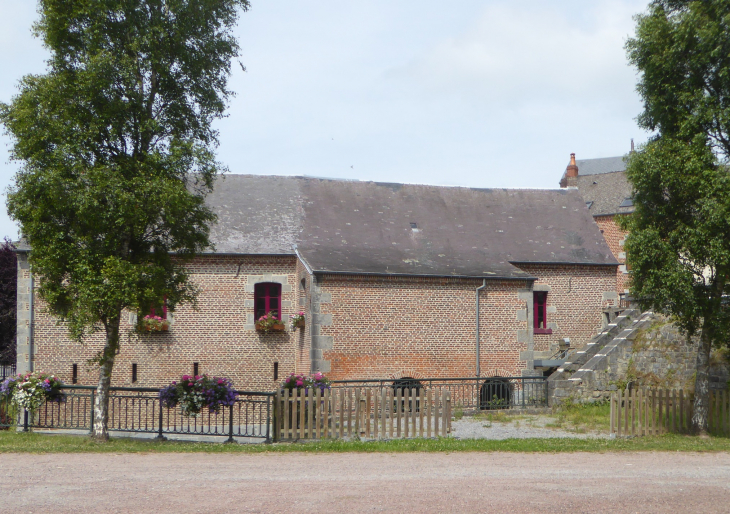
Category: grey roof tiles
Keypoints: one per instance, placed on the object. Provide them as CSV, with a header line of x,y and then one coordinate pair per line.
x,y
367,227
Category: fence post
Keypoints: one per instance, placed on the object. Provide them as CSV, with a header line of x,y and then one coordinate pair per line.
x,y
522,384
230,425
91,415
613,412
160,437
276,415
25,420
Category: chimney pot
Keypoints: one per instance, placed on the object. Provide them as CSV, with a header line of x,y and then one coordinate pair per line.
x,y
570,179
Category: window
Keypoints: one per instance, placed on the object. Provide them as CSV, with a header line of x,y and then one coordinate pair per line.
x,y
159,309
267,298
540,313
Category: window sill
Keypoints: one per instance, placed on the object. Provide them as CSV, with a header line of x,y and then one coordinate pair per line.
x,y
543,331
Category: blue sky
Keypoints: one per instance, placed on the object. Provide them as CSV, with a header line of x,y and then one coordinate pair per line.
x,y
489,93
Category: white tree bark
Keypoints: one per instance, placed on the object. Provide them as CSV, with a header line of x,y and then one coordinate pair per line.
x,y
106,364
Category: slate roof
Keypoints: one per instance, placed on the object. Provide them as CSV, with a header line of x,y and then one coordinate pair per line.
x,y
366,227
604,186
600,166
605,193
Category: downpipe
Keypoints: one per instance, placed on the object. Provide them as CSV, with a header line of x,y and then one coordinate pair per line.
x,y
478,290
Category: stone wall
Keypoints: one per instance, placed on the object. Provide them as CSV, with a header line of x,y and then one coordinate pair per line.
x,y
654,353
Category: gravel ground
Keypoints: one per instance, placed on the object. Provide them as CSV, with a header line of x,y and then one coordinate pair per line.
x,y
523,427
365,482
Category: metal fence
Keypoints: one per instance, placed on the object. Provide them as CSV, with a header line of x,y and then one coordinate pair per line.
x,y
6,370
483,393
139,410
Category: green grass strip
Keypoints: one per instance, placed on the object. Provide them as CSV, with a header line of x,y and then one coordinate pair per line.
x,y
15,442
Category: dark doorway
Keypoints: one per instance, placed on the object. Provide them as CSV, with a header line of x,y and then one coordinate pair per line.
x,y
495,393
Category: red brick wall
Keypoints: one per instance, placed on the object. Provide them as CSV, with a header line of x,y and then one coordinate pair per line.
x,y
218,336
575,301
386,327
614,236
381,327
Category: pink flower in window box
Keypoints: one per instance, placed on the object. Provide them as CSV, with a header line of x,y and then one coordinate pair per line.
x,y
269,323
151,323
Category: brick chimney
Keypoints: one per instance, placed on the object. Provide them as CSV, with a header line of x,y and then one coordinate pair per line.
x,y
570,177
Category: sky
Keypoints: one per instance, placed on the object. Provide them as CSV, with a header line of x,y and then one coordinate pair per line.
x,y
482,93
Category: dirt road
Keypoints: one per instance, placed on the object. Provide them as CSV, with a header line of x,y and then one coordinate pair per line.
x,y
350,483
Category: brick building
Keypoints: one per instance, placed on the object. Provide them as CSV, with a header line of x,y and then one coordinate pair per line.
x,y
390,277
607,193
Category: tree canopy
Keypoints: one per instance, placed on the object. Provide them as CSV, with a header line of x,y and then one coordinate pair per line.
x,y
8,301
116,146
678,246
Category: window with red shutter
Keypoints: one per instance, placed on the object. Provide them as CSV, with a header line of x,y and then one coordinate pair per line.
x,y
540,313
160,309
267,298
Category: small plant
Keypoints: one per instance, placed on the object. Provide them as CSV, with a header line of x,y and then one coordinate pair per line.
x,y
152,323
269,322
193,393
301,381
29,391
297,320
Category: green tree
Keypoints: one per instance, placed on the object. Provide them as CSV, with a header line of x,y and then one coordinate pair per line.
x,y
679,242
116,149
8,297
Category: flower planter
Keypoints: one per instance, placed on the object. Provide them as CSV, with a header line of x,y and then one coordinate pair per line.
x,y
300,324
278,327
162,328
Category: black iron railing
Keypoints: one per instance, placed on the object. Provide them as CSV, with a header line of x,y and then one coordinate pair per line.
x,y
6,370
471,393
139,410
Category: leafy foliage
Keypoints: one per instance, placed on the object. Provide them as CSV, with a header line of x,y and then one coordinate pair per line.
x,y
678,247
116,144
8,301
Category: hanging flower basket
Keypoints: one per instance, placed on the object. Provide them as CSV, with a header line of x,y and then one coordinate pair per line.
x,y
29,391
270,323
297,320
193,393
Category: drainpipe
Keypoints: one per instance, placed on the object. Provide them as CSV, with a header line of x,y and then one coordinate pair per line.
x,y
31,343
478,290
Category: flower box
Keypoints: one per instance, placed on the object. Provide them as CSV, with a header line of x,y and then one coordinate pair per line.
x,y
153,323
270,322
300,324
161,328
276,327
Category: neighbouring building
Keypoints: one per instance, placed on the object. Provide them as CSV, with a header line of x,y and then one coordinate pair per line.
x,y
608,195
390,278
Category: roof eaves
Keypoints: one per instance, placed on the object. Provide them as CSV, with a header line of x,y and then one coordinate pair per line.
x,y
565,263
528,278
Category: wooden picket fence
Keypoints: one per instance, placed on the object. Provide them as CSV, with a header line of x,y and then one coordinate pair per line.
x,y
641,412
368,413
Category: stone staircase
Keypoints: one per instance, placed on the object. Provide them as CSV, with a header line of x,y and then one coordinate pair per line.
x,y
585,376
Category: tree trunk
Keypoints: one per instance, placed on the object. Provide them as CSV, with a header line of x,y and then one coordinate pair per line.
x,y
106,363
700,417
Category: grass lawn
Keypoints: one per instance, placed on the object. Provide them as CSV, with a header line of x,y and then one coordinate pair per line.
x,y
17,442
